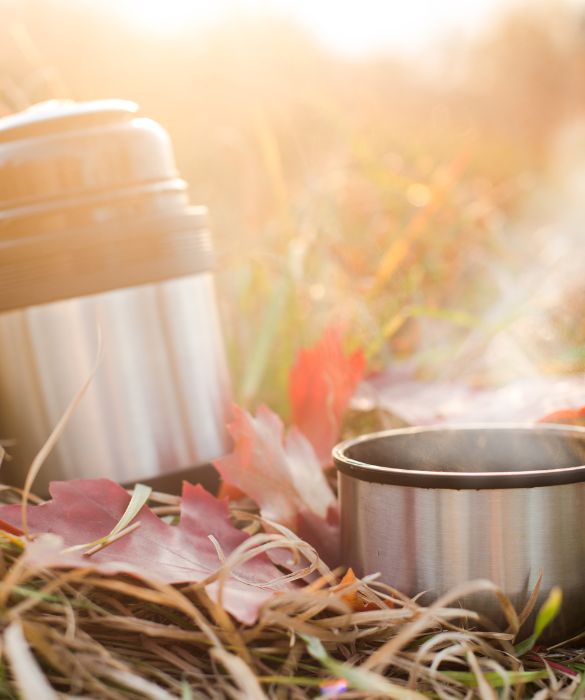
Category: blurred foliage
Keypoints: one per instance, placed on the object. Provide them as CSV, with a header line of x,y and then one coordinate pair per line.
x,y
371,193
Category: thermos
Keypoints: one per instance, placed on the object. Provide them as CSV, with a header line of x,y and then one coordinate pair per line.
x,y
97,238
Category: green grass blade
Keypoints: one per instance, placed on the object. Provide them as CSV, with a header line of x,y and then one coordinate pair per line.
x,y
25,592
547,613
579,693
186,692
358,678
292,680
495,679
265,340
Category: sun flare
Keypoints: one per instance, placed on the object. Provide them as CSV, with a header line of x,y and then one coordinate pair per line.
x,y
164,16
353,27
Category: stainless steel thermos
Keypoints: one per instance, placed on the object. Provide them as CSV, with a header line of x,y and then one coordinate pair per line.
x,y
97,238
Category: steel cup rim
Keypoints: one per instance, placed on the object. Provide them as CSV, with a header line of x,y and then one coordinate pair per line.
x,y
459,480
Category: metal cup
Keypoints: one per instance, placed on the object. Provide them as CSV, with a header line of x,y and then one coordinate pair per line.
x,y
431,508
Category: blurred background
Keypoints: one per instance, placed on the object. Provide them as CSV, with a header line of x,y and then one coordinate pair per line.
x,y
413,172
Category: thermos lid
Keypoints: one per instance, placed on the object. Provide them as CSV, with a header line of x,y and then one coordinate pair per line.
x,y
91,201
49,116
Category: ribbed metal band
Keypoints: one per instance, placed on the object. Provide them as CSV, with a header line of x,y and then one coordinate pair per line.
x,y
41,269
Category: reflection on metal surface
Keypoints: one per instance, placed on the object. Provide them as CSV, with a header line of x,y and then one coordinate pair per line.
x,y
157,403
430,539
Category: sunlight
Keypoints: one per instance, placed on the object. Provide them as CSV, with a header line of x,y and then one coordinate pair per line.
x,y
164,16
377,25
350,27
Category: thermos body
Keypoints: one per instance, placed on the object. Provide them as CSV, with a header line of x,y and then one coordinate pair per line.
x,y
157,402
126,267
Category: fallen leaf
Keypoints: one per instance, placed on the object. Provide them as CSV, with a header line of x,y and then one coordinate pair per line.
x,y
82,511
283,475
426,403
322,533
354,599
229,491
567,416
321,384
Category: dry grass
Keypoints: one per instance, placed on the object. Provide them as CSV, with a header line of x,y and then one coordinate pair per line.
x,y
77,634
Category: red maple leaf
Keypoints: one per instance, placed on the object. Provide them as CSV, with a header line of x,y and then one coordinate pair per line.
x,y
283,475
321,383
83,511
567,416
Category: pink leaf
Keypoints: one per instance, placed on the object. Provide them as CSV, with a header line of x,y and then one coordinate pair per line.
x,y
281,473
321,384
82,511
306,474
257,465
322,533
425,403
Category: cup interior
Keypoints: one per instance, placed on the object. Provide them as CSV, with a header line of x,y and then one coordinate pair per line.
x,y
473,450
555,453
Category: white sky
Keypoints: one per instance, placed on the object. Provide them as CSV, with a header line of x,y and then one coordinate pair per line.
x,y
351,26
